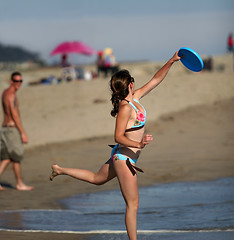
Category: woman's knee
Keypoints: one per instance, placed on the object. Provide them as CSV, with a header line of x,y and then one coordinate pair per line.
x,y
133,204
98,183
98,180
105,174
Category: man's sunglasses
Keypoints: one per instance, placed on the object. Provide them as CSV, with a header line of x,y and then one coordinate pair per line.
x,y
17,81
132,79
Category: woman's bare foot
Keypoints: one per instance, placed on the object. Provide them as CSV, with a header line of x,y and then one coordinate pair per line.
x,y
24,187
55,171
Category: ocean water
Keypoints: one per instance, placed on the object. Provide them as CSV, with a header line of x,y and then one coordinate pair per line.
x,y
185,210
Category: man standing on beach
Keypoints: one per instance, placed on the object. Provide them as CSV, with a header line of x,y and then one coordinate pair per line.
x,y
13,135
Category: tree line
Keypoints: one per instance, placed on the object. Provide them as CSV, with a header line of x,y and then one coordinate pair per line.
x,y
16,54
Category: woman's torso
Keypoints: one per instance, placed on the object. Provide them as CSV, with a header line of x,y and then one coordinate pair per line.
x,y
135,126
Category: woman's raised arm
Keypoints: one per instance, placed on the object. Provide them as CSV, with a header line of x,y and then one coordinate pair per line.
x,y
157,78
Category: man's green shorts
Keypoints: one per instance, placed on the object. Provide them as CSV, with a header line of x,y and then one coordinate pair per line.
x,y
11,144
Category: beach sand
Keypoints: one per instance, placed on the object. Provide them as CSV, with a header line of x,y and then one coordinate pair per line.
x,y
190,116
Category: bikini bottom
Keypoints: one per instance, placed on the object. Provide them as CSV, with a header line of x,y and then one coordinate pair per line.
x,y
116,155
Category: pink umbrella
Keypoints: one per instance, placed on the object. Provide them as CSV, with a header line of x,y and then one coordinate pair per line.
x,y
73,47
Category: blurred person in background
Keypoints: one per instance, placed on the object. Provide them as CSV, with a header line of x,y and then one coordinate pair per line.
x,y
230,43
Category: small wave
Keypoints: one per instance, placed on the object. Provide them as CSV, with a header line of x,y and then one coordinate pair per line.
x,y
121,231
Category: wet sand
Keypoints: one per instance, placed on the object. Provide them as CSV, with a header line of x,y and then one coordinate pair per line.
x,y
42,236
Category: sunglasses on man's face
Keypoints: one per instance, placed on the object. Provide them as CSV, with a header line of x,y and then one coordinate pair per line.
x,y
132,79
17,81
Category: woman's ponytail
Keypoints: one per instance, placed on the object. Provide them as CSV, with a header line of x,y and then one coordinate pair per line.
x,y
119,86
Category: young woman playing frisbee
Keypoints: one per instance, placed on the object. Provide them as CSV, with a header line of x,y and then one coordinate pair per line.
x,y
129,136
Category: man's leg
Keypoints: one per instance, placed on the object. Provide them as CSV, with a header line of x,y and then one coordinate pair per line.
x,y
19,182
3,165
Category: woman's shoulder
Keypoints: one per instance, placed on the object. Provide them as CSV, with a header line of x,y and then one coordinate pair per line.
x,y
125,107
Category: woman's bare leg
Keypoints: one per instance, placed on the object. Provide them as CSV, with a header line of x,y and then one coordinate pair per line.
x,y
129,189
105,173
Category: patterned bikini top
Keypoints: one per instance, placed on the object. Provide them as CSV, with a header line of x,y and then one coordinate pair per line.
x,y
140,119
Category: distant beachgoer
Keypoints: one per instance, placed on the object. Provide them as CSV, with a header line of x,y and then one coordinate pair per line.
x,y
230,43
100,63
130,138
110,60
68,70
13,135
106,62
64,62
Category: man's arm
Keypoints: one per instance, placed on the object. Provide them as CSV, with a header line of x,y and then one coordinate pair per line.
x,y
14,110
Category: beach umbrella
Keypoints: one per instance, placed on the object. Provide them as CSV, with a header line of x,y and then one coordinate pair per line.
x,y
73,47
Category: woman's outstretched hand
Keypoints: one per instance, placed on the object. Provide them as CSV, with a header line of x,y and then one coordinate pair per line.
x,y
146,140
175,57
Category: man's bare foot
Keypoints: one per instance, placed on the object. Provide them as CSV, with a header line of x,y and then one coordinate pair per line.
x,y
23,187
55,171
2,188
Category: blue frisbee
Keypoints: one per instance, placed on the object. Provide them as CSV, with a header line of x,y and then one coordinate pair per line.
x,y
191,59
